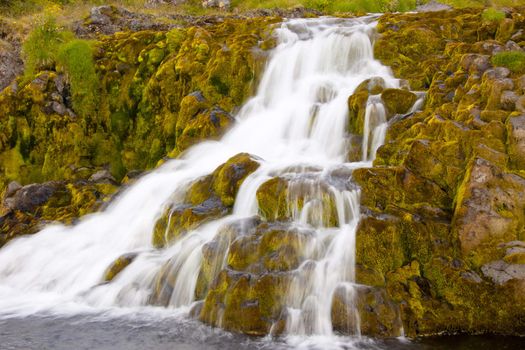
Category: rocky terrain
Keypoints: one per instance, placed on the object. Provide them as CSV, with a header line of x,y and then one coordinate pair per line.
x,y
441,242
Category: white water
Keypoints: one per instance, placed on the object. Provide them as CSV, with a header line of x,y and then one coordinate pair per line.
x,y
298,118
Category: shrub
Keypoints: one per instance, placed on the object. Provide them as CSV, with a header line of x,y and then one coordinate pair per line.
x,y
513,60
76,58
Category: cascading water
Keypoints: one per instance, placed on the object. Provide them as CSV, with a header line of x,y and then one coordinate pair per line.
x,y
297,125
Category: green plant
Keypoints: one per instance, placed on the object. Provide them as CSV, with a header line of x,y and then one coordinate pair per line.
x,y
76,58
492,15
513,60
42,44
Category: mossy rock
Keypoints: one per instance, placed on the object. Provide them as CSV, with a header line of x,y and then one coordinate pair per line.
x,y
283,198
27,209
357,103
398,101
378,315
118,266
227,179
207,198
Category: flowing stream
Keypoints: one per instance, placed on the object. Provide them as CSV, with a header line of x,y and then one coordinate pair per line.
x,y
297,125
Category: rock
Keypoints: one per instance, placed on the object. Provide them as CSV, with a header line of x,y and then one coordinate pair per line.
x,y
489,209
108,19
246,303
374,86
512,46
475,63
118,265
378,315
210,124
12,188
11,64
357,103
398,101
227,179
433,6
59,108
516,141
29,197
221,4
508,100
210,197
103,176
283,198
501,272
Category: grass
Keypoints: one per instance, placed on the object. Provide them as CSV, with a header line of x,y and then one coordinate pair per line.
x,y
76,59
513,60
493,15
42,45
49,46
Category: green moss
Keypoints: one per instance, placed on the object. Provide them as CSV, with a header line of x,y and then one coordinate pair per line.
x,y
513,60
76,58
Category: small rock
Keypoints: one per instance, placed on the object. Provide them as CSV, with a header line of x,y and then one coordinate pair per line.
x,y
512,46
508,100
58,108
12,188
103,176
501,272
516,139
433,6
221,4
471,276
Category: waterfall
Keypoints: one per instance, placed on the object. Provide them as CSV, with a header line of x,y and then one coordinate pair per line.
x,y
297,120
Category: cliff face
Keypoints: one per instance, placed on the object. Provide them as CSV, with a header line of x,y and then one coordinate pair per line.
x,y
441,242
144,95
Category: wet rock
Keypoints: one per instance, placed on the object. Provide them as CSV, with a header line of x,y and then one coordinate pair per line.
x,y
210,124
374,86
118,266
229,176
210,197
378,315
286,197
244,302
398,101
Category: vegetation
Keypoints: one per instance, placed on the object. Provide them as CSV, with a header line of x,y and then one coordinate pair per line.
x,y
43,43
513,60
493,15
22,7
77,60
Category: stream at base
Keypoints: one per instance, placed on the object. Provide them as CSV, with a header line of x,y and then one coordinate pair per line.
x,y
164,330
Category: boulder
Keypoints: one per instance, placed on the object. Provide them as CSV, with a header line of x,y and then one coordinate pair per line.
x,y
398,101
378,315
118,265
208,198
489,209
